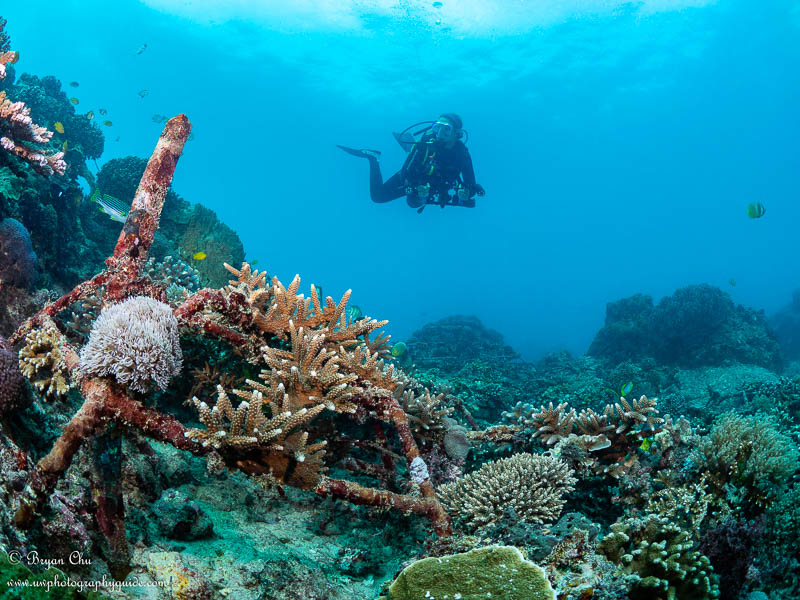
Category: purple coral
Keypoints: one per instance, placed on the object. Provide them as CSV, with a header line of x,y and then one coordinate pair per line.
x,y
18,261
10,379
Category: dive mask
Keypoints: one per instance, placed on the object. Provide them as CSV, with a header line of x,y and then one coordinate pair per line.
x,y
442,129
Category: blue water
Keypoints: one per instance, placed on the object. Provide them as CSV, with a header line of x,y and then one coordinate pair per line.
x,y
619,143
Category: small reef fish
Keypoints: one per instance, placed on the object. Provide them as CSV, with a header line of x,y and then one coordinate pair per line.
x,y
141,49
113,207
74,100
58,126
354,312
199,256
107,123
755,210
64,146
645,445
143,93
732,281
90,115
438,5
254,263
102,111
160,118
116,140
399,349
191,137
74,83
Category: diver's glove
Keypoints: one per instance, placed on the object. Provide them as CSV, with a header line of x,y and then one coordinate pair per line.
x,y
478,189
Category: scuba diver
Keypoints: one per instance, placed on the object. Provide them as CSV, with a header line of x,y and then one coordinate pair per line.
x,y
438,169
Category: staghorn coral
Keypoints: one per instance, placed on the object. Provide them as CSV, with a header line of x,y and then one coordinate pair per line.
x,y
609,436
136,342
268,429
663,556
42,362
534,485
688,505
426,415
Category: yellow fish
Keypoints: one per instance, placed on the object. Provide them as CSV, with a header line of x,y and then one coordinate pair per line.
x,y
64,146
199,256
58,126
74,100
90,115
645,445
107,123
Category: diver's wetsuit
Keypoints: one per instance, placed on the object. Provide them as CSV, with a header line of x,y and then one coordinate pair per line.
x,y
430,162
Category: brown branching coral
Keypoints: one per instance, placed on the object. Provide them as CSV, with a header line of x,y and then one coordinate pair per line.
x,y
42,362
261,437
602,442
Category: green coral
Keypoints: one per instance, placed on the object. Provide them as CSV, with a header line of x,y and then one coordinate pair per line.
x,y
751,455
663,556
499,572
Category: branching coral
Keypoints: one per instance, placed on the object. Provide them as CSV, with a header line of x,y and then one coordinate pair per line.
x,y
534,485
42,362
18,131
750,455
136,342
264,435
609,437
663,556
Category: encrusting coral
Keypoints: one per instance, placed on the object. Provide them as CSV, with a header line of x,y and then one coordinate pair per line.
x,y
18,131
533,485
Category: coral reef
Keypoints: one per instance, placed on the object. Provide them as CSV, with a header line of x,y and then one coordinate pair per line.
x,y
136,342
19,135
450,343
43,363
533,485
490,572
698,325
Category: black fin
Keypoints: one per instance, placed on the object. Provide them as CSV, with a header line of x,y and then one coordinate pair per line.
x,y
363,153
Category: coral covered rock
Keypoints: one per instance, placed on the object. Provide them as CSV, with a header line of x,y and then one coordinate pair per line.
x,y
452,342
489,572
18,261
698,325
136,342
786,323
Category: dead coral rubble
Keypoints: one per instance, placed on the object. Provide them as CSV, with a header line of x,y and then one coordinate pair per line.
x,y
314,361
